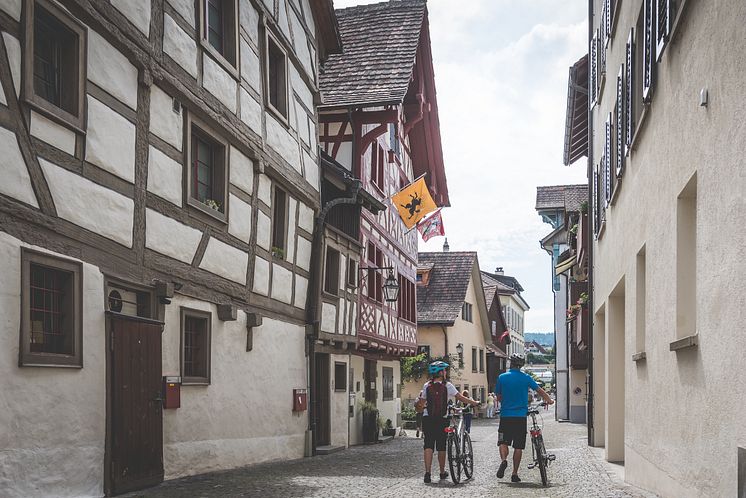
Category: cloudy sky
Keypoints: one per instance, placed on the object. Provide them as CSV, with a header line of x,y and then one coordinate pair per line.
x,y
501,70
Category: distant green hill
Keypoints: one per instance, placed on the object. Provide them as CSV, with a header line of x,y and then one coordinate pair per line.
x,y
544,339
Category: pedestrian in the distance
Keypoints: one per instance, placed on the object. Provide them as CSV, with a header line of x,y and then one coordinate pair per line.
x,y
490,405
467,412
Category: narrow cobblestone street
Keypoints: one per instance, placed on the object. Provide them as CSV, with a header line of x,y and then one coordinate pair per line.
x,y
395,469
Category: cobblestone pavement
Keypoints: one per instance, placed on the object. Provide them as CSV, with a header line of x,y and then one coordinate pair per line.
x,y
395,469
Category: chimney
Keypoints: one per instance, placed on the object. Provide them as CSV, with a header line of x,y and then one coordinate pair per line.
x,y
499,271
446,247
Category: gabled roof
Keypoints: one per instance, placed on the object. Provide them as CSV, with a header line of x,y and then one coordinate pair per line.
x,y
440,301
506,285
567,197
380,44
576,119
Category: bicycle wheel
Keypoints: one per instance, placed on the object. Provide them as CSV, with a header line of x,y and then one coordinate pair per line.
x,y
541,460
467,456
454,459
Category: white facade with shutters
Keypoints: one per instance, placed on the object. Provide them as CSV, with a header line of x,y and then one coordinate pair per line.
x,y
668,93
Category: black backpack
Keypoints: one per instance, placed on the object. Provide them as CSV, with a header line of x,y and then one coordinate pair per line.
x,y
437,399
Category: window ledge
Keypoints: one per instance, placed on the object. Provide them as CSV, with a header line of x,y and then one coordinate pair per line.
x,y
195,383
221,60
641,356
212,213
284,120
688,342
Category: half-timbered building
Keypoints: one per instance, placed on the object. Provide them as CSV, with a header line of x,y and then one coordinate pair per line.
x,y
160,179
379,121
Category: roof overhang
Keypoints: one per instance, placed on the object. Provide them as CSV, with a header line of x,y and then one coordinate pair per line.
x,y
327,28
576,119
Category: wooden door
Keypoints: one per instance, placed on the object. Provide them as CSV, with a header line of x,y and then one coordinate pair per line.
x,y
136,409
370,373
322,408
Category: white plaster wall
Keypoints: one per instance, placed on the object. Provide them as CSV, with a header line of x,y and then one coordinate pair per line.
x,y
169,237
311,170
225,260
226,424
357,363
251,69
185,8
179,45
52,133
264,191
303,256
282,284
164,176
13,51
263,230
16,181
53,419
109,68
239,224
679,138
292,209
12,7
164,122
218,82
89,205
301,290
261,276
251,112
249,19
137,12
305,218
282,141
328,318
110,140
241,171
388,409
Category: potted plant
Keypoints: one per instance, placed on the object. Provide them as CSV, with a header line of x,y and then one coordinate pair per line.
x,y
584,207
278,252
388,428
212,204
370,422
583,300
573,311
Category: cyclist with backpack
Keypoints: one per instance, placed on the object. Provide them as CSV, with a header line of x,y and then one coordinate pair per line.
x,y
512,391
433,403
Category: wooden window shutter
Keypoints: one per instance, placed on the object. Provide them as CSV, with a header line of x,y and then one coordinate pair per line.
x,y
629,90
596,207
648,51
603,25
607,161
620,123
601,61
593,73
663,26
609,6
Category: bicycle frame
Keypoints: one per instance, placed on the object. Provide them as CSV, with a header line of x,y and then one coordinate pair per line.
x,y
538,450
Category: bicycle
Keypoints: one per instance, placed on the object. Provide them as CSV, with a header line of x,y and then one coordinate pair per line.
x,y
538,450
460,453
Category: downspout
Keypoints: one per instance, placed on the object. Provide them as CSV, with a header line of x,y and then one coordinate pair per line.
x,y
445,338
591,186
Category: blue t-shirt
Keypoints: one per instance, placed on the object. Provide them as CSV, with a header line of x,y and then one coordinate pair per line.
x,y
513,385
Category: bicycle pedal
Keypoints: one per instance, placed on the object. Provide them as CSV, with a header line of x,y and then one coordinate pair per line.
x,y
531,466
551,458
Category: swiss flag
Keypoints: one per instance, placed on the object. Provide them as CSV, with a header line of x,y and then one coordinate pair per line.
x,y
505,337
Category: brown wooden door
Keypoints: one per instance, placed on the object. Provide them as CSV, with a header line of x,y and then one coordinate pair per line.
x,y
322,408
136,408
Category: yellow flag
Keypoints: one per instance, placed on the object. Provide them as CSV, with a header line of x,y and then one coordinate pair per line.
x,y
414,202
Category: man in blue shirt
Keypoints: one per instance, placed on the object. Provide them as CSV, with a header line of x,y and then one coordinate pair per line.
x,y
512,391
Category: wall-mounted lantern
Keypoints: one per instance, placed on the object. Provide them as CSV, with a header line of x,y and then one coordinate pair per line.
x,y
390,286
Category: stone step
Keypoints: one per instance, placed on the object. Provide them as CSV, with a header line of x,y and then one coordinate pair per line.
x,y
328,450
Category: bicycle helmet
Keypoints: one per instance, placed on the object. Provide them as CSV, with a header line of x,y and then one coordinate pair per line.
x,y
436,367
517,361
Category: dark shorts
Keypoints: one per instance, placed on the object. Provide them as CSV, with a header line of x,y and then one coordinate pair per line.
x,y
435,434
512,432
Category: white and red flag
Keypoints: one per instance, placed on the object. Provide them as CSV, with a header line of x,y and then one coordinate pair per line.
x,y
431,227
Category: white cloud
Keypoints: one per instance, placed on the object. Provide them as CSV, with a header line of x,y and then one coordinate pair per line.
x,y
501,70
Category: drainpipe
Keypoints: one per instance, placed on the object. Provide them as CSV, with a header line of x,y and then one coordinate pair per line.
x,y
445,338
591,326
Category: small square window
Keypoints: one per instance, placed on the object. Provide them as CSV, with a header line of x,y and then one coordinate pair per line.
x,y
388,383
54,68
377,168
207,172
331,272
277,84
340,377
195,347
51,331
219,31
466,312
375,279
279,222
473,359
351,273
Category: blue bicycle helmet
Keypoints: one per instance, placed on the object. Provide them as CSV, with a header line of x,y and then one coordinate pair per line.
x,y
436,367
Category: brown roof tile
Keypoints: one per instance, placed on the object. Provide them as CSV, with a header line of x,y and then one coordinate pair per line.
x,y
440,301
567,197
379,48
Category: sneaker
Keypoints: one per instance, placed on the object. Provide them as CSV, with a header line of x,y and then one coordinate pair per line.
x,y
515,478
418,434
501,470
427,478
443,475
